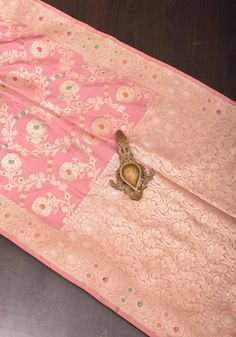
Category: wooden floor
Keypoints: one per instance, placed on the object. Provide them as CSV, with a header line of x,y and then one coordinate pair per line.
x,y
195,36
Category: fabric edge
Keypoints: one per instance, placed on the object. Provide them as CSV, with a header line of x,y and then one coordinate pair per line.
x,y
81,285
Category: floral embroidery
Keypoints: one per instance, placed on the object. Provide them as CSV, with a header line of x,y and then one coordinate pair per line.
x,y
36,128
102,126
126,94
62,205
42,206
40,49
139,304
8,131
69,171
69,88
9,56
11,162
23,76
14,78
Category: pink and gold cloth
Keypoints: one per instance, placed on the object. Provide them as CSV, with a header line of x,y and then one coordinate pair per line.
x,y
167,263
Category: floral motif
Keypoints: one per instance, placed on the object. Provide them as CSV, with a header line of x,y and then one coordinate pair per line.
x,y
126,94
36,128
9,56
40,49
13,78
102,126
69,88
42,206
68,171
11,162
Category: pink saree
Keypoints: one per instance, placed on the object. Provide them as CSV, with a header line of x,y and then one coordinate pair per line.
x,y
165,263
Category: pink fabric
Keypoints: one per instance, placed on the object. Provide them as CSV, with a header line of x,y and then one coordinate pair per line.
x,y
165,263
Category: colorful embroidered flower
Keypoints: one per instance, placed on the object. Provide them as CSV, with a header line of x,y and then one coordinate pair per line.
x,y
69,171
126,94
40,49
69,88
11,162
42,206
14,78
101,126
36,128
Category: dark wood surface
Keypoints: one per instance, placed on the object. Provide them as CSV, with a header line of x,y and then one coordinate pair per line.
x,y
195,36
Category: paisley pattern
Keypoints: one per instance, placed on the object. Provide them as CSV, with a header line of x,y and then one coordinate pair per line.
x,y
166,263
178,248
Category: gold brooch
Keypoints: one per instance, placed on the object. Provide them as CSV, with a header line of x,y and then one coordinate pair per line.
x,y
131,177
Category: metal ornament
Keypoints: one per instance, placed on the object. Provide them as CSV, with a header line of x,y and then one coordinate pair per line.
x,y
131,177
